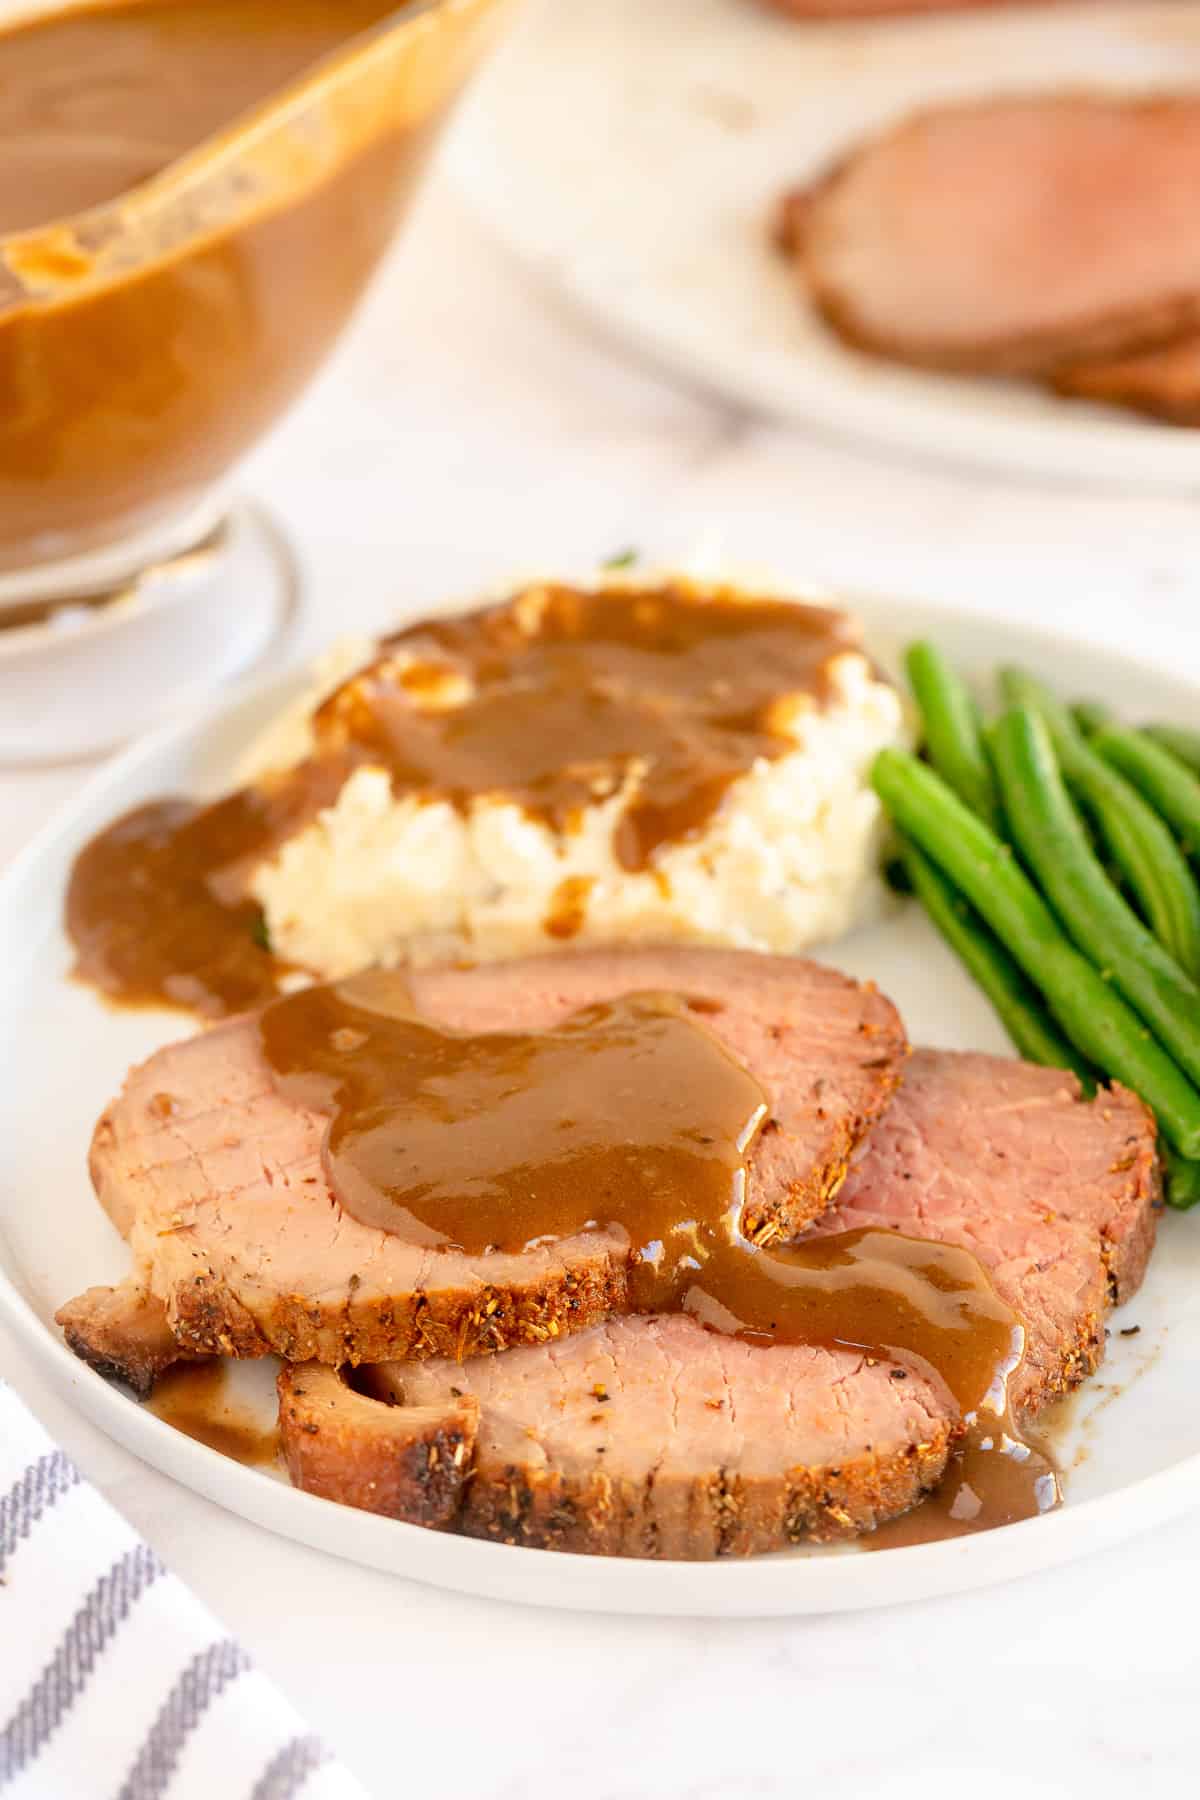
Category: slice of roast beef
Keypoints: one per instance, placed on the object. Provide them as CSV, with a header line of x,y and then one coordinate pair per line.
x,y
654,1437
1012,235
217,1180
1164,382
645,1436
1057,1197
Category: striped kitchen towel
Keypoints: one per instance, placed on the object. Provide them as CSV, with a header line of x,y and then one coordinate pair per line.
x,y
115,1683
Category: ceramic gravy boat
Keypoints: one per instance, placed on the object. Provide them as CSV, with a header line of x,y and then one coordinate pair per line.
x,y
147,341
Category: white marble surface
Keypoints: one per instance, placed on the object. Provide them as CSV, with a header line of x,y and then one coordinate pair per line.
x,y
467,432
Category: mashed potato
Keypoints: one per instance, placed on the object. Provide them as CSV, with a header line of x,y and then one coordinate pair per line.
x,y
788,858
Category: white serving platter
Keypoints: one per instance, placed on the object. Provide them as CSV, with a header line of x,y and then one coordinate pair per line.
x,y
632,151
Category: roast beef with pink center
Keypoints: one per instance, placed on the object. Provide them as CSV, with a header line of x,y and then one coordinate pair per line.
x,y
217,1181
654,1437
1010,234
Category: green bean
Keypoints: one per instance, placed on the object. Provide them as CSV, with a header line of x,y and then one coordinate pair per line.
x,y
1147,858
1179,741
1048,833
1181,1187
1034,1034
1090,716
1169,785
952,735
1139,844
1019,688
1096,1019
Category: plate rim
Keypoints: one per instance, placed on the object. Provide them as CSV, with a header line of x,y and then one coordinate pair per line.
x,y
749,1587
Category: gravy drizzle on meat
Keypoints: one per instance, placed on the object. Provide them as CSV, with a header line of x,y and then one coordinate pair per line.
x,y
632,1113
553,700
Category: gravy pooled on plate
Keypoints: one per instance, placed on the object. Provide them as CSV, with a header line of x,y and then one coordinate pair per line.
x,y
195,1399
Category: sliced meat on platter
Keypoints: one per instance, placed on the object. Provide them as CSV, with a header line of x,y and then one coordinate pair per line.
x,y
1058,1197
1011,235
651,1436
217,1179
646,1436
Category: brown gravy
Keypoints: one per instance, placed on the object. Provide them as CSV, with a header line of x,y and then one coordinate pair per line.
x,y
631,1113
157,912
568,906
979,1491
141,352
551,699
194,1398
96,99
556,698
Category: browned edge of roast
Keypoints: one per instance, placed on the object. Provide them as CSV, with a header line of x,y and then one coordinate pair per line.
x,y
406,1463
727,1516
1163,382
451,1322
1105,335
122,1333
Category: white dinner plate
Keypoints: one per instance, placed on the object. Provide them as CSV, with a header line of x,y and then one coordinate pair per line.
x,y
1131,1447
632,151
